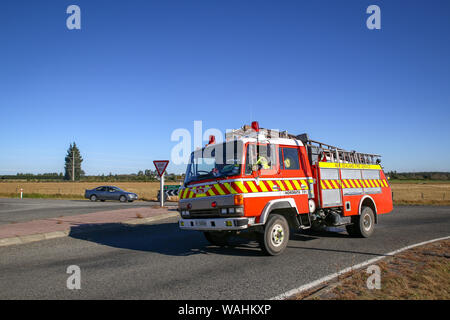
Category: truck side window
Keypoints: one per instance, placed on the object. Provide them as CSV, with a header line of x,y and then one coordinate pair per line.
x,y
290,159
280,158
261,157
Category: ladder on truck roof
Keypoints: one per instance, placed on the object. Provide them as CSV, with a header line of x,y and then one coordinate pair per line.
x,y
316,150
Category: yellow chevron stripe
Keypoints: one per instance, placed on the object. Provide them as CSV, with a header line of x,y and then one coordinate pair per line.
x,y
241,186
328,184
357,183
229,187
334,184
219,188
280,184
322,183
346,185
351,182
289,185
263,186
305,184
296,185
211,192
252,186
271,184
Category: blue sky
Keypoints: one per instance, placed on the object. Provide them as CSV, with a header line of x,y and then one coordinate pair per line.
x,y
137,70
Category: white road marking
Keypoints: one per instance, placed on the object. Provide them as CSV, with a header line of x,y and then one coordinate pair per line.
x,y
317,282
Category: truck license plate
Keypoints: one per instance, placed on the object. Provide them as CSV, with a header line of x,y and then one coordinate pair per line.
x,y
200,223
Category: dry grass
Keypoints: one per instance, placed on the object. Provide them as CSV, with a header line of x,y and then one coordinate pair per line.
x,y
404,193
74,190
419,273
421,193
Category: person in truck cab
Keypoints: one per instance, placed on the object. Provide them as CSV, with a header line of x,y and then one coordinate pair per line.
x,y
262,161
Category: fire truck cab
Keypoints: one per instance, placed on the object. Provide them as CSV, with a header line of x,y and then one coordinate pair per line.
x,y
266,183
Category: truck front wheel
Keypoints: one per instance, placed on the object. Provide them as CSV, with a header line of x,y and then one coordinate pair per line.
x,y
363,225
217,238
276,235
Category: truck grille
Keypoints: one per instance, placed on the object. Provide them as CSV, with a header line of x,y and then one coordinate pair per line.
x,y
204,213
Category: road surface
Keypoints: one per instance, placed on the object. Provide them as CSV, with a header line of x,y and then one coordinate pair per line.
x,y
158,261
20,210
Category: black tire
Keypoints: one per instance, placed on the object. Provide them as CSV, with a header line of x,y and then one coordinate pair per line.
x,y
130,200
217,238
363,225
102,200
93,198
123,199
276,235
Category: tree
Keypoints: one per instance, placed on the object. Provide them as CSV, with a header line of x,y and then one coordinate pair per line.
x,y
73,163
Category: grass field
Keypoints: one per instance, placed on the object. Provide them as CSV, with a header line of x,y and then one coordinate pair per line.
x,y
404,192
421,193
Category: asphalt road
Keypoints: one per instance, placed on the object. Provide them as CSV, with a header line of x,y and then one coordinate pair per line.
x,y
20,210
158,261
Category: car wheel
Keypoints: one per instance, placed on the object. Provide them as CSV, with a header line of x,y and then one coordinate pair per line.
x,y
276,235
123,199
93,198
363,225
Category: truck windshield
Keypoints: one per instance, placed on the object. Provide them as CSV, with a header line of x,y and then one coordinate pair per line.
x,y
215,161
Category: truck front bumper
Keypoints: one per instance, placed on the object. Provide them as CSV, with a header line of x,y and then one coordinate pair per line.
x,y
216,224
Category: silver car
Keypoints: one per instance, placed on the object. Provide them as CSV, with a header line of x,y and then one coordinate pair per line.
x,y
110,193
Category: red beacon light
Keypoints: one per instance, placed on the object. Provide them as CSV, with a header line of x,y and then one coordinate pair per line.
x,y
255,126
212,139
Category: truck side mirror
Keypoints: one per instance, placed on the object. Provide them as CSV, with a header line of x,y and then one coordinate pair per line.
x,y
256,172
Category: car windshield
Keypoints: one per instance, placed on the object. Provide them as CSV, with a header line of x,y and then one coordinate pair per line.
x,y
215,161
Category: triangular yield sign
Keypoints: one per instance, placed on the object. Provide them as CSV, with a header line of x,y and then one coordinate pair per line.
x,y
161,166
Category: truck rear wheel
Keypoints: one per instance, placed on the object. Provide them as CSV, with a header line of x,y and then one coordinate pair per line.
x,y
363,225
217,238
276,235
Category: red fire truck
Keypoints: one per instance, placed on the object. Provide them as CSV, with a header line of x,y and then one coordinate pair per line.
x,y
265,183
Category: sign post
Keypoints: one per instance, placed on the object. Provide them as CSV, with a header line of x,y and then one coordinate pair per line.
x,y
161,166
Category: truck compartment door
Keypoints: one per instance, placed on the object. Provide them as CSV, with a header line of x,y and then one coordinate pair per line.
x,y
351,182
330,187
